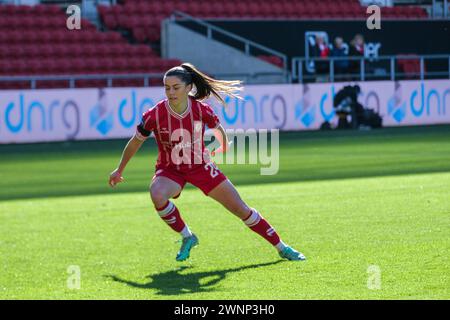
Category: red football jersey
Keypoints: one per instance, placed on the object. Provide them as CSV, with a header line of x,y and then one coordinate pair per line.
x,y
179,136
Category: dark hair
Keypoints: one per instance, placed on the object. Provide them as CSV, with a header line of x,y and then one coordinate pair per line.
x,y
205,85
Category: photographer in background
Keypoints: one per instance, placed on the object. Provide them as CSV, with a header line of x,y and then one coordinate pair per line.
x,y
346,104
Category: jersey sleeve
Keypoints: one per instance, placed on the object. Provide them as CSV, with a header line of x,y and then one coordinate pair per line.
x,y
146,126
209,117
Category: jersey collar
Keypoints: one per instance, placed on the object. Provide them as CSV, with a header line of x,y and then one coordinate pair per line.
x,y
178,115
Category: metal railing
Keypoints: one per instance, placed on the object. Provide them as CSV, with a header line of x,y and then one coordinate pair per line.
x,y
73,78
367,68
109,78
298,73
246,43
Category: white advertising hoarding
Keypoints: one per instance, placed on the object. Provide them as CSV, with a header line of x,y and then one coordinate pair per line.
x,y
83,114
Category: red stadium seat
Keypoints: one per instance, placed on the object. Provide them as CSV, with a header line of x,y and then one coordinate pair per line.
x,y
154,34
46,66
181,6
15,85
140,34
4,36
61,67
8,52
133,65
86,25
114,37
119,50
116,11
9,10
25,10
127,82
46,50
194,8
110,21
156,82
204,11
139,51
92,66
125,21
168,7
265,9
105,65
52,84
95,83
230,9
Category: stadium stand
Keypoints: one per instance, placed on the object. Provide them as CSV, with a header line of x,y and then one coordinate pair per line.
x,y
143,17
33,42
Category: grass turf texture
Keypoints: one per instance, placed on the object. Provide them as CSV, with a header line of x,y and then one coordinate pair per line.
x,y
347,200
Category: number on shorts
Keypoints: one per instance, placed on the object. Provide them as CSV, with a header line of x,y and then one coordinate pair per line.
x,y
214,171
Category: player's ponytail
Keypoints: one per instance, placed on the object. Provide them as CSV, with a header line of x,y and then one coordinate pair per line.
x,y
205,85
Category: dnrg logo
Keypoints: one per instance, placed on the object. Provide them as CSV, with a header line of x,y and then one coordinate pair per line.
x,y
22,115
419,103
130,109
261,108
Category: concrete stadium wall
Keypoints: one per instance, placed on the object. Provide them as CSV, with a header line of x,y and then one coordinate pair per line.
x,y
213,56
83,114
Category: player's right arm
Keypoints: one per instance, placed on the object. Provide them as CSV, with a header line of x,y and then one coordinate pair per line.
x,y
143,131
129,151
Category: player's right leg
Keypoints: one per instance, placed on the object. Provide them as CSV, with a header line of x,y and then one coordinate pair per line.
x,y
161,190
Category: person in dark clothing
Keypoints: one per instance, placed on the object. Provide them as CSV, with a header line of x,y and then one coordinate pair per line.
x,y
356,50
346,103
340,49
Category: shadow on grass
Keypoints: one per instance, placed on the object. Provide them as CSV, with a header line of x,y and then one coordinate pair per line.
x,y
175,282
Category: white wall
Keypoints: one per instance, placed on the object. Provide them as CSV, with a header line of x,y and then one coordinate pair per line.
x,y
79,114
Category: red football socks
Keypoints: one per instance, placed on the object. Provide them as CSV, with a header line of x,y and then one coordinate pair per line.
x,y
170,214
258,224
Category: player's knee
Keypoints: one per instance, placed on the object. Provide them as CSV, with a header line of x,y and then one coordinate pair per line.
x,y
158,197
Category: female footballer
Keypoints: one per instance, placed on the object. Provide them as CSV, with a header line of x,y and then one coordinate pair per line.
x,y
178,124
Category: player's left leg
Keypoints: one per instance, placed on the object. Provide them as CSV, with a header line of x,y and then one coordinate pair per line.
x,y
226,194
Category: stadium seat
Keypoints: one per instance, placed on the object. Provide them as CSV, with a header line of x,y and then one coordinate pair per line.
x,y
410,67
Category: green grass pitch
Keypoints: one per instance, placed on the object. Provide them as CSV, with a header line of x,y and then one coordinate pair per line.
x,y
370,210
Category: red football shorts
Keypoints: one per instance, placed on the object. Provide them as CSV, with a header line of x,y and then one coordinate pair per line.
x,y
205,177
